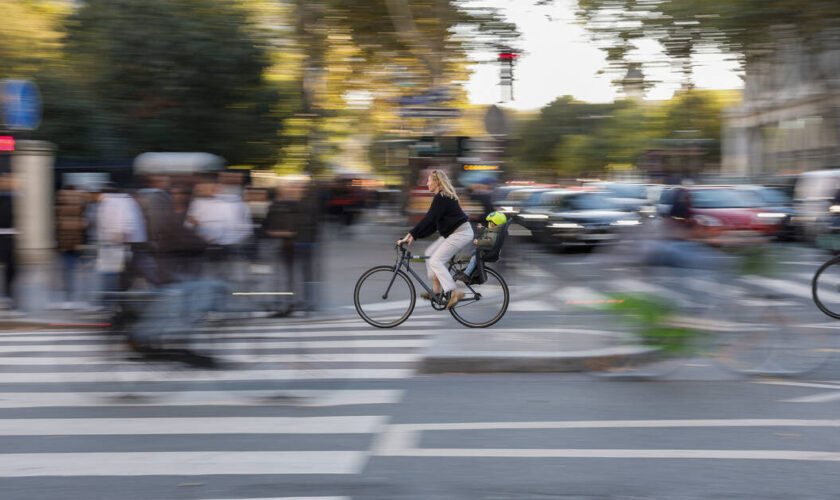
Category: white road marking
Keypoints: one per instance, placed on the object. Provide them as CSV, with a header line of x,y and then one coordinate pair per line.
x,y
820,456
202,425
180,463
402,440
823,397
227,336
800,384
286,498
352,357
532,306
314,344
307,398
298,373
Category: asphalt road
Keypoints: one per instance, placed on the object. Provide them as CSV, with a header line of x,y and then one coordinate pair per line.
x,y
335,410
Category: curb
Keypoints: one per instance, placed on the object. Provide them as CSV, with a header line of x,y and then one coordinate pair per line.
x,y
529,362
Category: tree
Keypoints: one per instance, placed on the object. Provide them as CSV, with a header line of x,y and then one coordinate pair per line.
x,y
175,75
748,29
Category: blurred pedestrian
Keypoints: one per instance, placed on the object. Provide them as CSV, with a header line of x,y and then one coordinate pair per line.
x,y
71,226
121,233
223,221
7,239
292,219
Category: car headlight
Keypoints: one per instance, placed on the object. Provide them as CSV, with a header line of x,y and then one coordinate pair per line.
x,y
628,222
835,209
565,225
534,216
771,215
707,220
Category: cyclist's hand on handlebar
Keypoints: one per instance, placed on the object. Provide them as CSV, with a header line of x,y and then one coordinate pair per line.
x,y
407,240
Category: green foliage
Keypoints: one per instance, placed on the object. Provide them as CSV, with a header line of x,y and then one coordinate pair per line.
x,y
174,75
651,318
570,137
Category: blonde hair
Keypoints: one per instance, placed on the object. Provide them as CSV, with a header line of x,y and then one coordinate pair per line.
x,y
445,186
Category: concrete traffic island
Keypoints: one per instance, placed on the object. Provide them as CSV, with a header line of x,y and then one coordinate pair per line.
x,y
526,350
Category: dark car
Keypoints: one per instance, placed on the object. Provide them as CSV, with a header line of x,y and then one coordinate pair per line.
x,y
517,199
632,197
588,219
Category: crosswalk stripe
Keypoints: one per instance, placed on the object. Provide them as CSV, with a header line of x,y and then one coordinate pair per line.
x,y
358,344
306,398
221,337
531,306
338,328
180,463
201,425
352,357
297,373
285,498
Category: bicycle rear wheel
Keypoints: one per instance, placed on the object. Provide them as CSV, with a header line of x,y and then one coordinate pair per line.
x,y
825,288
384,299
484,304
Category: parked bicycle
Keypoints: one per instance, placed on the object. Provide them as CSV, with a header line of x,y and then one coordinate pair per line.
x,y
385,295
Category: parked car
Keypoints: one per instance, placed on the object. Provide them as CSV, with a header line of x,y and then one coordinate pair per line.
x,y
633,197
535,216
517,199
586,218
721,215
813,194
666,200
777,206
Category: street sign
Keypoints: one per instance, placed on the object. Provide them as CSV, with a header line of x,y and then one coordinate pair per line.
x,y
21,104
435,95
429,112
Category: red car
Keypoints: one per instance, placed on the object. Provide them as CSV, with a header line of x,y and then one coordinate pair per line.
x,y
722,214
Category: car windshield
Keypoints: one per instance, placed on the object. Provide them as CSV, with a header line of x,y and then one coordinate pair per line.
x,y
725,198
519,195
773,196
589,201
627,190
667,196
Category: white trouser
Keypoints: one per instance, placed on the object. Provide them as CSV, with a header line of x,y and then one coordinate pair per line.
x,y
444,249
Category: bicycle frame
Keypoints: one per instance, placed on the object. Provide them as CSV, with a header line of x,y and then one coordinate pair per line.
x,y
405,262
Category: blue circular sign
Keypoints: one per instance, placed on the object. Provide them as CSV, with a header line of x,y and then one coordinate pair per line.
x,y
21,104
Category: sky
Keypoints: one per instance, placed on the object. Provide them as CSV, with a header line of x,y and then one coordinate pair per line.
x,y
560,59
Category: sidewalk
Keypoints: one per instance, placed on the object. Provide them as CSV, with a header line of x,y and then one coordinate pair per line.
x,y
513,345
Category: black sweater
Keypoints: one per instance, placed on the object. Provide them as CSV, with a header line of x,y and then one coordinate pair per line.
x,y
445,215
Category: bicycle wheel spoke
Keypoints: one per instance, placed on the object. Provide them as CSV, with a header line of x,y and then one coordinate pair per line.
x,y
487,303
382,299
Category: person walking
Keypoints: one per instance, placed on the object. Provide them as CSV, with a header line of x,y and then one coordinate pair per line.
x,y
7,239
447,218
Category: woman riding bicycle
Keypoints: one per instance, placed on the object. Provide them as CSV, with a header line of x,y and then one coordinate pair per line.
x,y
447,218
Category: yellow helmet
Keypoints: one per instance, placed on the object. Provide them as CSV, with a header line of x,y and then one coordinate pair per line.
x,y
497,218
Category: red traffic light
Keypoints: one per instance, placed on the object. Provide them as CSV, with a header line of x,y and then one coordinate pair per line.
x,y
7,143
508,55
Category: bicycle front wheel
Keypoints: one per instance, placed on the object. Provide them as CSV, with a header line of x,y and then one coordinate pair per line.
x,y
484,304
384,298
825,288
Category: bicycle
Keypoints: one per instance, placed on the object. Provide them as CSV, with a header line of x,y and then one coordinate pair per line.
x,y
385,296
825,287
727,314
